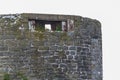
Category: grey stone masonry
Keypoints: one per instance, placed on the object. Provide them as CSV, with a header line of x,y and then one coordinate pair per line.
x,y
71,50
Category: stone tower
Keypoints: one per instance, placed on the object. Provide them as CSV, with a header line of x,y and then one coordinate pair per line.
x,y
50,47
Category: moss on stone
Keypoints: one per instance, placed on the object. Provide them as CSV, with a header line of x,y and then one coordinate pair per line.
x,y
39,35
6,76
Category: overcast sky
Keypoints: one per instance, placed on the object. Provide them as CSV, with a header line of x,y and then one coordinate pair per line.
x,y
106,11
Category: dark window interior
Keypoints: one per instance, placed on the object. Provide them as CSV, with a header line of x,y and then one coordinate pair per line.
x,y
55,25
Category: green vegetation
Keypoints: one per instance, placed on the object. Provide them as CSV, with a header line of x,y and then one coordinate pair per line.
x,y
6,76
58,28
40,28
22,76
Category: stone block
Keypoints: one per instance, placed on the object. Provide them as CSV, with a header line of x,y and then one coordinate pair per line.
x,y
3,48
78,49
72,48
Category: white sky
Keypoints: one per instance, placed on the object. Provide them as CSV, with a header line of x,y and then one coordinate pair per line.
x,y
106,11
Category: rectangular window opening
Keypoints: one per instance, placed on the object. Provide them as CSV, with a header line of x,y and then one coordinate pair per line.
x,y
45,25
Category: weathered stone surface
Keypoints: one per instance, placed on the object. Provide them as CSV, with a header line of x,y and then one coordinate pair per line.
x,y
72,55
